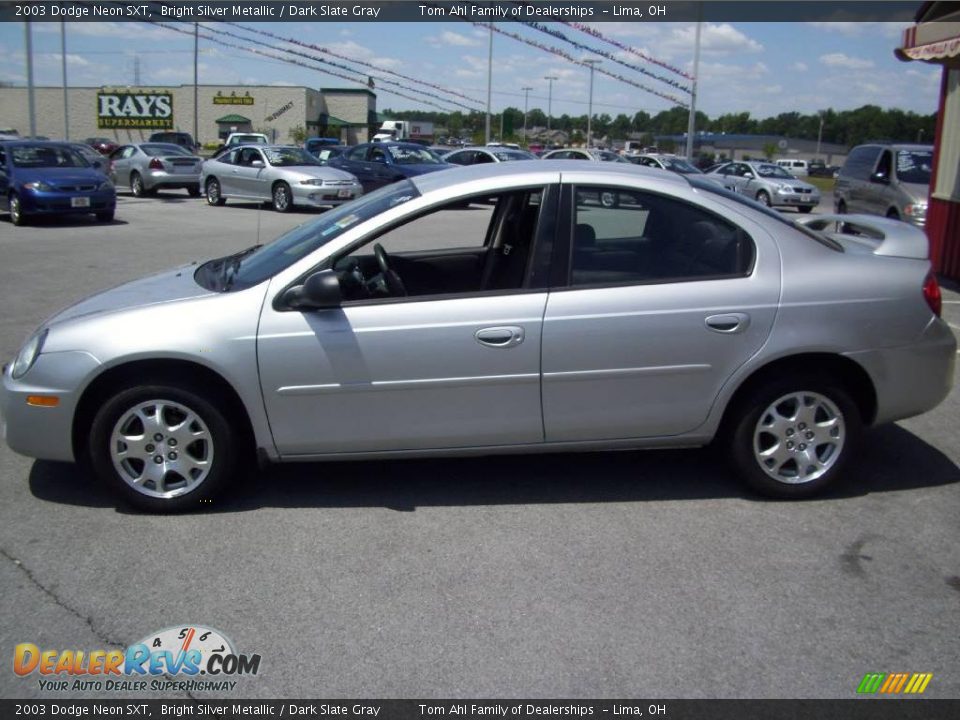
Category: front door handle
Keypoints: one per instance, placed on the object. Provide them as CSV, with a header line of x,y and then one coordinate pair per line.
x,y
506,336
728,323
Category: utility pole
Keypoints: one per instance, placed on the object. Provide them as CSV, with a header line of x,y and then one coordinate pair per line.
x,y
31,106
691,122
526,104
550,79
592,64
196,76
486,132
819,135
63,71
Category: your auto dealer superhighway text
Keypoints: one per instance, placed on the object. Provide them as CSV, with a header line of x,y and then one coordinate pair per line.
x,y
267,11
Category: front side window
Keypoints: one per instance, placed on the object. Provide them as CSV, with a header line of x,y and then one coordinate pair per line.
x,y
358,154
289,157
625,237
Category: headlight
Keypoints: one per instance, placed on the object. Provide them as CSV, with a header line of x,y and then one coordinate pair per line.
x,y
105,185
39,185
28,354
784,188
312,181
916,210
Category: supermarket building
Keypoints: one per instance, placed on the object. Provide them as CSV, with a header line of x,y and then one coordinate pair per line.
x,y
131,114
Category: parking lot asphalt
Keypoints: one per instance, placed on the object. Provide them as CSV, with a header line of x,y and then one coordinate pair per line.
x,y
629,574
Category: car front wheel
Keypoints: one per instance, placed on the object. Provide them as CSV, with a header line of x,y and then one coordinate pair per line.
x,y
163,448
16,211
282,197
763,197
792,438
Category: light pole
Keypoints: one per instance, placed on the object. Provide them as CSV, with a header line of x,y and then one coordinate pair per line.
x,y
31,106
550,79
526,104
692,119
819,135
592,64
486,131
63,71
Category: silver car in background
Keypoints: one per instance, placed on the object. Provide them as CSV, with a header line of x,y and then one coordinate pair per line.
x,y
284,175
589,307
594,154
767,183
148,167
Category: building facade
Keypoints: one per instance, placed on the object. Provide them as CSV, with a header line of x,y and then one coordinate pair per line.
x,y
131,114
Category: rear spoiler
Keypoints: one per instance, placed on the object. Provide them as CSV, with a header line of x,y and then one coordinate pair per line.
x,y
884,236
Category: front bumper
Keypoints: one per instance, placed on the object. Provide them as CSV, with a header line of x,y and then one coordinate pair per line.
x,y
325,196
45,433
796,199
38,202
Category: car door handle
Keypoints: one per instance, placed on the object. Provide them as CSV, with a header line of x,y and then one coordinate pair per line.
x,y
500,337
728,323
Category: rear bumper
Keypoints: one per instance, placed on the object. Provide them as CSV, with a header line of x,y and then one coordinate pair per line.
x,y
162,179
915,378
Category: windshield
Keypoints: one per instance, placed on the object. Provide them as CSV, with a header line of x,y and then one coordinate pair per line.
x,y
155,149
681,166
607,156
775,171
406,155
256,265
289,157
243,139
38,156
507,155
914,166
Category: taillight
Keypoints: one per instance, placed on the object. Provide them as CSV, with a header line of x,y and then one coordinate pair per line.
x,y
155,164
931,293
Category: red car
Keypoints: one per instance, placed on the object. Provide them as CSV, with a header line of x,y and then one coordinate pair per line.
x,y
104,146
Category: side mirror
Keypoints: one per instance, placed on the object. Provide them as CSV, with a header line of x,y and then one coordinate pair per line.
x,y
881,178
320,290
256,163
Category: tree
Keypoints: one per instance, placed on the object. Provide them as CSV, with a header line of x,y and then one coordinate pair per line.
x,y
297,134
769,150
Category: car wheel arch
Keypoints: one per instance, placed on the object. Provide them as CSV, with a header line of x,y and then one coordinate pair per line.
x,y
170,370
849,374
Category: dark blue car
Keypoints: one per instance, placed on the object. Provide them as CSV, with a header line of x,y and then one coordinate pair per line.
x,y
378,164
50,178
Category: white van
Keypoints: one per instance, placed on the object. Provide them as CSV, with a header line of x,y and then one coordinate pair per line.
x,y
797,168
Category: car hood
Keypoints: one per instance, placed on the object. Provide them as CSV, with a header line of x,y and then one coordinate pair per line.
x,y
164,287
59,176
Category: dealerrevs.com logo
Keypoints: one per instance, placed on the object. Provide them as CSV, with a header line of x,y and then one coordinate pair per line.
x,y
181,658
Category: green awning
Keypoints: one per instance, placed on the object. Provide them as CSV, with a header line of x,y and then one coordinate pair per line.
x,y
331,121
233,119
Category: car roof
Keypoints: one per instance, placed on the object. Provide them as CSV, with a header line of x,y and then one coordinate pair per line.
x,y
535,171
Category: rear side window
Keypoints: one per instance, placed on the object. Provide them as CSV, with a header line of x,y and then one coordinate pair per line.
x,y
627,237
860,162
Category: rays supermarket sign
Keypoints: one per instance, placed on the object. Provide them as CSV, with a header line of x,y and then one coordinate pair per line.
x,y
136,109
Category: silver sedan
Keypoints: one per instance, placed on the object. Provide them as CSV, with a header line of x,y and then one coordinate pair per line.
x,y
284,175
590,306
766,183
148,167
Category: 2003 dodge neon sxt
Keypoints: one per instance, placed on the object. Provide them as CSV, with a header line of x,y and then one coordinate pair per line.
x,y
575,307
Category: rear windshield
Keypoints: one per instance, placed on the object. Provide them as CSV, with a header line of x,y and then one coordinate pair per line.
x,y
155,149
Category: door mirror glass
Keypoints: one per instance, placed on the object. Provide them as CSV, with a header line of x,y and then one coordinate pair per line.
x,y
320,290
256,163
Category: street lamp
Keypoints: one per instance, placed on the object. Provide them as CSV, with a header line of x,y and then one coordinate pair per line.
x,y
550,79
526,104
592,64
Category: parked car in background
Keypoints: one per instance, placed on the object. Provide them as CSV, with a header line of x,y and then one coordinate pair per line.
x,y
664,162
486,154
766,183
818,168
148,167
381,163
234,139
327,153
102,145
314,144
285,175
794,166
90,155
49,178
583,154
184,140
676,316
886,179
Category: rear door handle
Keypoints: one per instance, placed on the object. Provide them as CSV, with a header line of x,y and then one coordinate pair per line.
x,y
728,323
506,336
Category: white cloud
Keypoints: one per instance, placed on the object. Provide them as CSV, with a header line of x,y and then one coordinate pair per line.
x,y
858,29
451,38
715,40
845,61
800,67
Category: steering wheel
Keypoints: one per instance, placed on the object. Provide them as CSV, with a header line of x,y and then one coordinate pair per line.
x,y
394,283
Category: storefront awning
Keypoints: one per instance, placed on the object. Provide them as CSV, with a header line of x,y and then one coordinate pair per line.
x,y
234,119
930,42
331,121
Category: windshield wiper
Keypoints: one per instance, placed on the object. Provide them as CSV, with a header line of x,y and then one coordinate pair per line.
x,y
231,264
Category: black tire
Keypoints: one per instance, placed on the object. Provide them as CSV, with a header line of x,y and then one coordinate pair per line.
x,y
136,185
282,197
213,192
763,197
216,446
805,208
105,216
194,191
17,216
753,426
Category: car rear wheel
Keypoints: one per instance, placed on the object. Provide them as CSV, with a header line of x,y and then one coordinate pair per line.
x,y
213,192
16,211
282,197
136,185
163,447
763,197
792,437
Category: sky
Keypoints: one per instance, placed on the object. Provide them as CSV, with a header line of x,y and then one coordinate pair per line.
x,y
761,68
